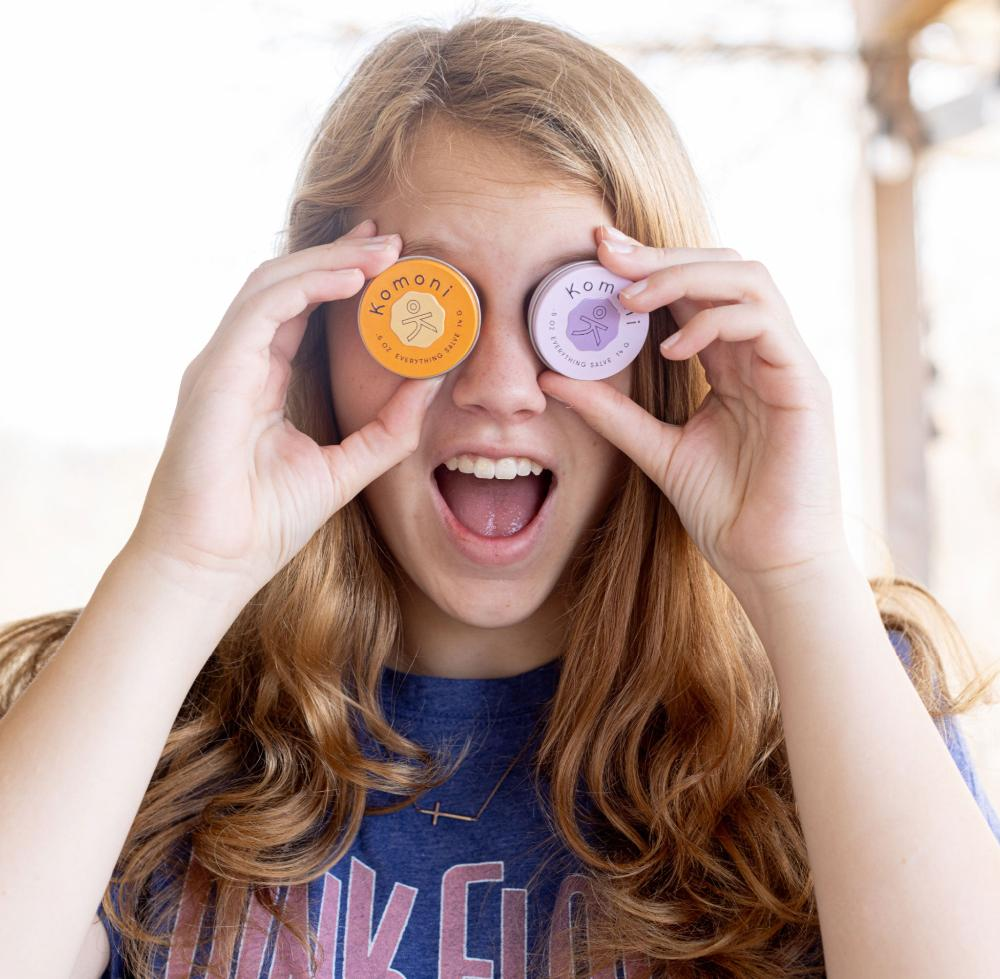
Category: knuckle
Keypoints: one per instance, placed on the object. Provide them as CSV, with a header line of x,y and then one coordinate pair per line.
x,y
282,369
262,273
307,277
757,284
676,270
405,441
304,285
254,305
191,371
339,490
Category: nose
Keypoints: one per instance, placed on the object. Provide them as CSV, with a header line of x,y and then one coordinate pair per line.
x,y
499,377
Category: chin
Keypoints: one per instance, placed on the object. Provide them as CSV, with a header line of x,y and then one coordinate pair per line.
x,y
488,605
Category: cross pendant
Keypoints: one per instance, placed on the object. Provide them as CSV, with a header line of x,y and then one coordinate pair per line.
x,y
437,811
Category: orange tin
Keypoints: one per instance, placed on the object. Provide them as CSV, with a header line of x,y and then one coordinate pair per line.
x,y
420,317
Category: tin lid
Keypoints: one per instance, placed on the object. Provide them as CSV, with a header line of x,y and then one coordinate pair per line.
x,y
578,325
420,317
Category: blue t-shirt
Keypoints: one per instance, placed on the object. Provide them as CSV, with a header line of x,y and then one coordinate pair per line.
x,y
420,896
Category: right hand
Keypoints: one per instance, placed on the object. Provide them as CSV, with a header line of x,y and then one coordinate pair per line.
x,y
238,490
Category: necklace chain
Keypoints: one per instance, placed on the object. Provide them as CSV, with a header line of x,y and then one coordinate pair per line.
x,y
437,811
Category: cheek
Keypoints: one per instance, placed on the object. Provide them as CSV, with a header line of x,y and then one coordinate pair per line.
x,y
360,386
604,464
623,379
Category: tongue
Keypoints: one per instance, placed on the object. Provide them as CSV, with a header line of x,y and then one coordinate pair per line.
x,y
491,507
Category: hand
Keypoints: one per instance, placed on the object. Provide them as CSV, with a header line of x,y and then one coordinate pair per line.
x,y
239,489
753,472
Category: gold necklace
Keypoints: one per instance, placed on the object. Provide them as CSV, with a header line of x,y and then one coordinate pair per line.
x,y
438,811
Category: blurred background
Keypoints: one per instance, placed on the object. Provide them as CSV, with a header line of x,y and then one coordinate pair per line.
x,y
853,146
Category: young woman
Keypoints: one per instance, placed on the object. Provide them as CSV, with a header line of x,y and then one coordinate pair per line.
x,y
642,715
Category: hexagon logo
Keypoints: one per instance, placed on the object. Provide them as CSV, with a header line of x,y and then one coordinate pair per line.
x,y
417,319
592,324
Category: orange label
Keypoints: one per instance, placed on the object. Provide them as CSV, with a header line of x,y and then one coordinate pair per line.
x,y
420,317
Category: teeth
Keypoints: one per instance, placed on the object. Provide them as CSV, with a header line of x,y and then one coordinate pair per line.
x,y
483,468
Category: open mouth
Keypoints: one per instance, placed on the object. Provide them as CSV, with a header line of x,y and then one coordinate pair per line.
x,y
493,507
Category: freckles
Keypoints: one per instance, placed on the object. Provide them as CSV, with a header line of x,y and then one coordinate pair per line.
x,y
359,386
364,393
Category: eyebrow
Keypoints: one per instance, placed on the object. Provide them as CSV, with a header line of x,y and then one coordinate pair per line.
x,y
428,244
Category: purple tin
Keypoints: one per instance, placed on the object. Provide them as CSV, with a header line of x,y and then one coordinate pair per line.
x,y
578,325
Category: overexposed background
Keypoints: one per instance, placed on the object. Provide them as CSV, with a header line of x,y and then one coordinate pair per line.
x,y
151,154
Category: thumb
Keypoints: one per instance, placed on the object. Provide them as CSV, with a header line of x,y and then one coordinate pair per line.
x,y
646,440
391,436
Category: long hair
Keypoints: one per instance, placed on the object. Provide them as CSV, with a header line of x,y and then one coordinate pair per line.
x,y
663,743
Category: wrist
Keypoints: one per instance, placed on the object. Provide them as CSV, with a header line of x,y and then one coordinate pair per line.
x,y
213,593
769,598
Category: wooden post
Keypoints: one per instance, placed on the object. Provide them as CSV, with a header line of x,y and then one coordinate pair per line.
x,y
885,28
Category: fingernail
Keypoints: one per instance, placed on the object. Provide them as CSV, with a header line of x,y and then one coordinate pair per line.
x,y
383,241
670,341
363,224
615,233
617,247
633,290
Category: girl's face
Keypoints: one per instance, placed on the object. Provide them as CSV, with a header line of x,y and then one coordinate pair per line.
x,y
490,217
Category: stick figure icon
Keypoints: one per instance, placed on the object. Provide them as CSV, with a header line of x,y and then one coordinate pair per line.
x,y
422,319
593,327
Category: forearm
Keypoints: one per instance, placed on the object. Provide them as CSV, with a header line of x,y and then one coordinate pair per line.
x,y
77,751
906,869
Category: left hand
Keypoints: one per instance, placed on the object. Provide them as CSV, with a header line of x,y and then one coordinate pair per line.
x,y
753,472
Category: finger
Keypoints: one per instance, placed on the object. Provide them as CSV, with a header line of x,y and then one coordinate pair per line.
x,y
370,261
285,337
727,283
642,259
366,227
682,310
385,441
288,336
369,254
279,373
366,253
736,322
371,257
646,440
239,359
650,258
365,232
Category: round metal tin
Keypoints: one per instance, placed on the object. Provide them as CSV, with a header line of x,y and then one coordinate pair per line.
x,y
420,317
578,325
